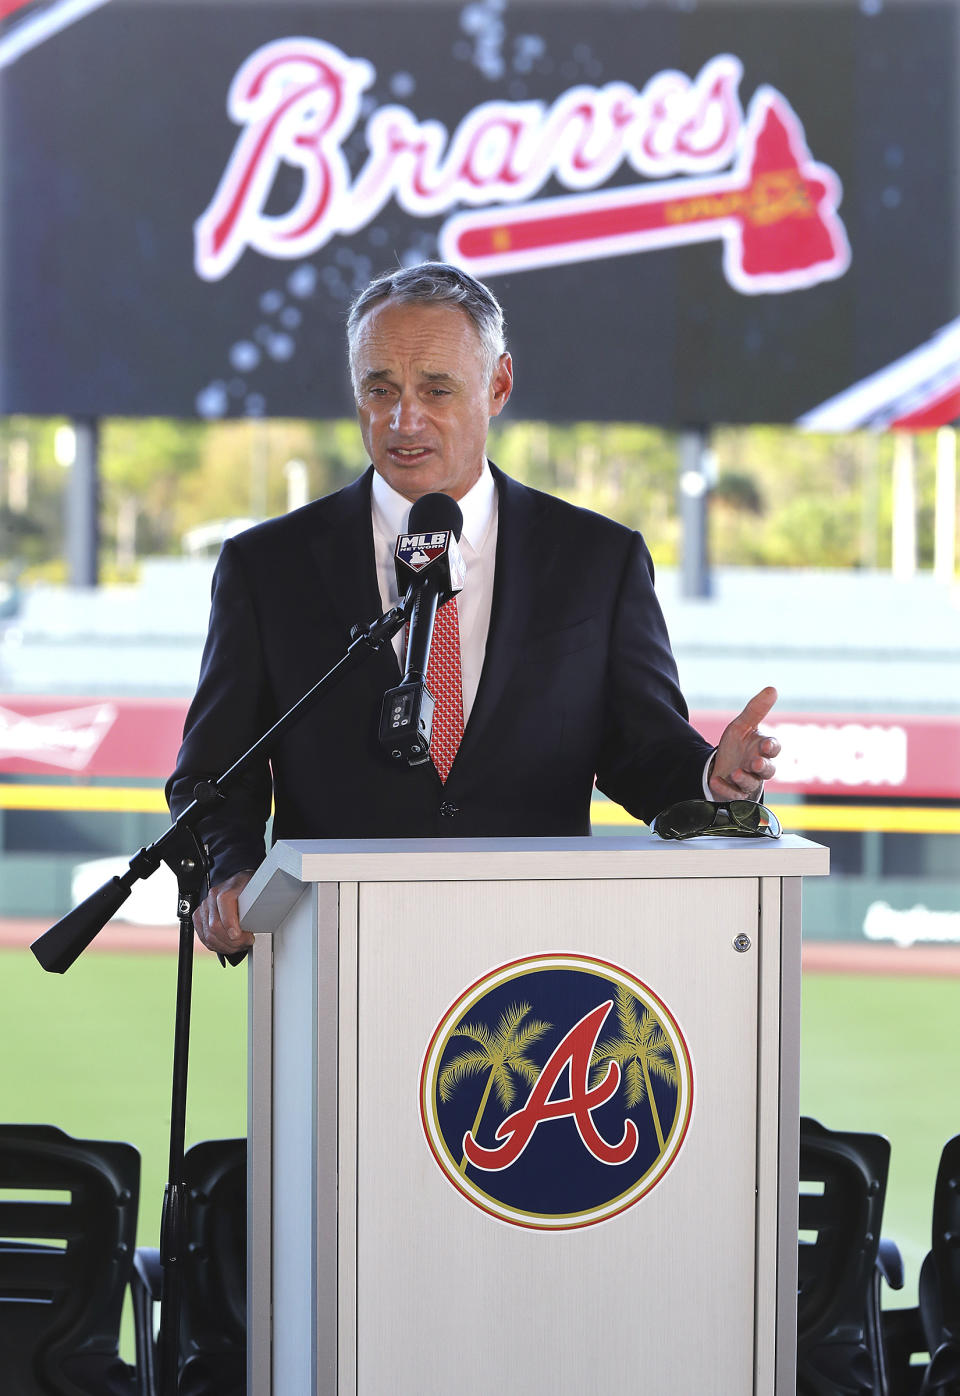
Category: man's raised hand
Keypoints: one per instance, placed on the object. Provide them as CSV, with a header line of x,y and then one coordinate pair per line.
x,y
744,758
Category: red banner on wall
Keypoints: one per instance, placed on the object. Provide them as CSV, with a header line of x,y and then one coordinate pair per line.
x,y
851,754
823,753
118,737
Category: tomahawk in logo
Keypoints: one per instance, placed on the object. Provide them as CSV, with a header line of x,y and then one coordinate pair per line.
x,y
774,212
709,173
556,1092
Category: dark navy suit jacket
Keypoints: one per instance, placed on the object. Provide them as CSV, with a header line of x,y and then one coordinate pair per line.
x,y
578,682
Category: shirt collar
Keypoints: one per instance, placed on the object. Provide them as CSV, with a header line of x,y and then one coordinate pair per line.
x,y
391,510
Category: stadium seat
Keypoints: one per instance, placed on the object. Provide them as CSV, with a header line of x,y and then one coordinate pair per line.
x,y
68,1220
213,1317
843,1179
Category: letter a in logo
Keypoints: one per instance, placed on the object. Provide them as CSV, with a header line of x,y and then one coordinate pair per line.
x,y
574,1052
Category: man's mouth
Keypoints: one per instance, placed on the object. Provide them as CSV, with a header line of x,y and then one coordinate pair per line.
x,y
409,452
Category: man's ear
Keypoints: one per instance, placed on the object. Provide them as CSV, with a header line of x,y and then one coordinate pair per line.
x,y
501,385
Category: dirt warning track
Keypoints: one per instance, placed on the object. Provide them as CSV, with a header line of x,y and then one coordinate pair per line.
x,y
819,956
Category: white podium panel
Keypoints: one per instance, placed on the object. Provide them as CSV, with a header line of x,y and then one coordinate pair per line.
x,y
383,1259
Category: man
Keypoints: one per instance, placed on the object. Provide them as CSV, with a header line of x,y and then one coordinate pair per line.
x,y
567,672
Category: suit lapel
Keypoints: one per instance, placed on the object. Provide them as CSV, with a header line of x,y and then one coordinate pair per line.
x,y
342,551
520,556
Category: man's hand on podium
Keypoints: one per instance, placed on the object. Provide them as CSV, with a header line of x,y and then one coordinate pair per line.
x,y
217,921
743,760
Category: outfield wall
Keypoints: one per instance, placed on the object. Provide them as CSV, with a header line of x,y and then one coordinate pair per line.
x,y
81,781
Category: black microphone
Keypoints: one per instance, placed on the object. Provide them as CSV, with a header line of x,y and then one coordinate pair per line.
x,y
428,561
428,558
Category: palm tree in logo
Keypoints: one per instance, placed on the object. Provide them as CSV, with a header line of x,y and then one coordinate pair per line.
x,y
501,1054
642,1050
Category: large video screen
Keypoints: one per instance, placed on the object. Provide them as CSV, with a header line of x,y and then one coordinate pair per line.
x,y
727,213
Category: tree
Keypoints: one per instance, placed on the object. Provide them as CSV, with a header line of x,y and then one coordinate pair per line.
x,y
784,498
501,1054
641,1050
32,487
143,465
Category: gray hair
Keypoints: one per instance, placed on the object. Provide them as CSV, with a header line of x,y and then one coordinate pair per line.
x,y
435,283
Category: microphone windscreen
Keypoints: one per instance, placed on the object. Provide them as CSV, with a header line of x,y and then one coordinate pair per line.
x,y
433,512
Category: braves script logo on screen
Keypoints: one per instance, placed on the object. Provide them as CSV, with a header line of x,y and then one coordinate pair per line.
x,y
556,1091
298,100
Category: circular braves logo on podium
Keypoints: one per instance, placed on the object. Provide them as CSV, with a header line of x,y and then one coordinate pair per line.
x,y
556,1091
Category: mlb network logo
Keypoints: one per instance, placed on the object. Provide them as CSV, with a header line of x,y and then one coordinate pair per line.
x,y
556,1092
418,550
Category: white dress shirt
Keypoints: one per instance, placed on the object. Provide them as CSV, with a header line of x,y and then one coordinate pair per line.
x,y
478,544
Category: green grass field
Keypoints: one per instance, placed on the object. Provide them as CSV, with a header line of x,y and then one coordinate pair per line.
x,y
880,1054
91,1051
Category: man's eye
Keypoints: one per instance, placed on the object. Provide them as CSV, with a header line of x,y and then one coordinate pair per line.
x,y
439,392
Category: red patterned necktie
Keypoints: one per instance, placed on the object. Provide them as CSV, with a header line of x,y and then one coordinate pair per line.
x,y
444,682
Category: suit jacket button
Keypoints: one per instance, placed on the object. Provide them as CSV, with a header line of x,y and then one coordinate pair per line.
x,y
448,809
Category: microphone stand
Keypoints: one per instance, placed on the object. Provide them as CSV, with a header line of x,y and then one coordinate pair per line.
x,y
182,849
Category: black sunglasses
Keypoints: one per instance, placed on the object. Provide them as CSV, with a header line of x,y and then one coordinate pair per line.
x,y
730,818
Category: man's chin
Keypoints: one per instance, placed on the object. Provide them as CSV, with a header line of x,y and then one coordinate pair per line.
x,y
408,483
413,478
420,477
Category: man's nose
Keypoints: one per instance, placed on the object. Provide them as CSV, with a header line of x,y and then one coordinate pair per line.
x,y
407,413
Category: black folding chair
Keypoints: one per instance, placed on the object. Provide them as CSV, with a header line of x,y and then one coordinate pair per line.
x,y
931,1332
213,1319
68,1221
843,1180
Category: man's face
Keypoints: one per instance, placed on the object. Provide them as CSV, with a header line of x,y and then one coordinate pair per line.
x,y
423,397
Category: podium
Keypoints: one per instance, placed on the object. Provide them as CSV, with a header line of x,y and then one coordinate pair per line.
x,y
523,1116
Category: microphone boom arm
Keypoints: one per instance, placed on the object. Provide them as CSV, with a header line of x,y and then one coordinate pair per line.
x,y
58,948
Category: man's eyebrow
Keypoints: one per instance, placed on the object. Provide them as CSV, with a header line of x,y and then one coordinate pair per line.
x,y
383,375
